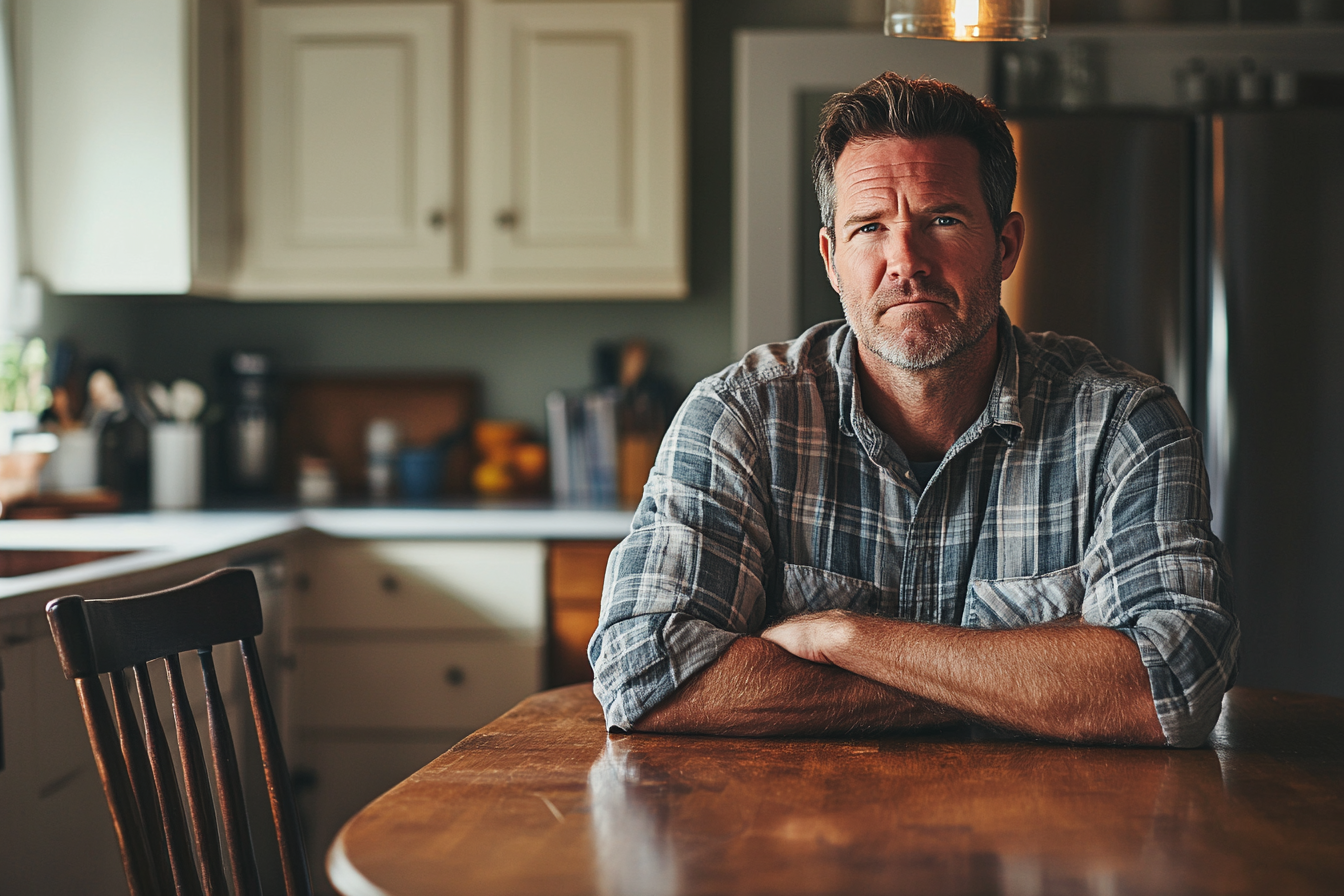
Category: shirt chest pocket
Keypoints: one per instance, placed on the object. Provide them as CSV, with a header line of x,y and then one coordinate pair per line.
x,y
808,589
1024,600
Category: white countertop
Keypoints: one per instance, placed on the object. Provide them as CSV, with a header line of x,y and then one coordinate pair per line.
x,y
159,539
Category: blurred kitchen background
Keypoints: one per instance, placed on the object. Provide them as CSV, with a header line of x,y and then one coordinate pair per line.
x,y
1182,163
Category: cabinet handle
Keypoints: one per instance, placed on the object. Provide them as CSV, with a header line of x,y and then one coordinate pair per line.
x,y
507,219
455,676
389,584
437,219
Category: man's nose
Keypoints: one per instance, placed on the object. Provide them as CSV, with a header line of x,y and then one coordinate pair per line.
x,y
907,257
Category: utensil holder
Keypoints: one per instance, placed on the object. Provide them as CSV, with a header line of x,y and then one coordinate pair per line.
x,y
74,465
175,466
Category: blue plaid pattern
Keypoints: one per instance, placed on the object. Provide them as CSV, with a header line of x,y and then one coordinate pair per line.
x,y
1080,489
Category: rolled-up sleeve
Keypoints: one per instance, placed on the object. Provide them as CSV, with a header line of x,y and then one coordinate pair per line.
x,y
688,580
1156,571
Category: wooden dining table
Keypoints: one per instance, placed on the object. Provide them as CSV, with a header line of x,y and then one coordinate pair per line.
x,y
545,801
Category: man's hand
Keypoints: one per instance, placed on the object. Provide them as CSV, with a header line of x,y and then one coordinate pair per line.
x,y
807,636
1063,680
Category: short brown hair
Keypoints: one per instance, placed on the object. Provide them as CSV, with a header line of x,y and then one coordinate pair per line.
x,y
913,108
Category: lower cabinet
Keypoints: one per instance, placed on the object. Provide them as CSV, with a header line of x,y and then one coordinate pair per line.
x,y
574,583
399,650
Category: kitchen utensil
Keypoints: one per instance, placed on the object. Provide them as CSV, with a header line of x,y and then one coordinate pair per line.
x,y
106,403
187,400
161,399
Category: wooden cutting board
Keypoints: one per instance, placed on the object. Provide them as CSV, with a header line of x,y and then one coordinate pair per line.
x,y
328,416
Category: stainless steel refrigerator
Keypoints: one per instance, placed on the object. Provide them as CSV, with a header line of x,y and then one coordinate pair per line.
x,y
1208,250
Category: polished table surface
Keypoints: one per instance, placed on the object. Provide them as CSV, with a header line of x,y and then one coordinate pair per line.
x,y
544,801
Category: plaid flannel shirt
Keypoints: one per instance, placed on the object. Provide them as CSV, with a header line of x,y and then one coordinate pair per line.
x,y
1079,489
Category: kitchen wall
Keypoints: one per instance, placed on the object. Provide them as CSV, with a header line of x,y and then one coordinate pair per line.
x,y
520,350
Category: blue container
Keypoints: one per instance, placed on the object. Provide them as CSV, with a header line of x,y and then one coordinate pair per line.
x,y
421,472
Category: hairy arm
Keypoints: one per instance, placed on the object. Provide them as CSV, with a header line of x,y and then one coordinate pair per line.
x,y
1073,682
757,688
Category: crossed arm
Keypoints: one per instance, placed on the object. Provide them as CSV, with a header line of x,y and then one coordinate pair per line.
x,y
836,670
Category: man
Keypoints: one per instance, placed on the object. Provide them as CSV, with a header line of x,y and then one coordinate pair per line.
x,y
922,514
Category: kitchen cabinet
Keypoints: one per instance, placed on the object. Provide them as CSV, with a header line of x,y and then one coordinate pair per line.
x,y
49,788
352,117
127,131
400,649
575,572
51,795
578,140
470,150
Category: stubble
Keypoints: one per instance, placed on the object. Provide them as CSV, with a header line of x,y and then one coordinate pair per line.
x,y
925,346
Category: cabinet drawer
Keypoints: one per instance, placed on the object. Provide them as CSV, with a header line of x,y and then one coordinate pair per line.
x,y
423,585
415,685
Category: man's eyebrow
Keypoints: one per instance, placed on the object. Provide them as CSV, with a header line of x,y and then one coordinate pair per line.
x,y
863,217
945,208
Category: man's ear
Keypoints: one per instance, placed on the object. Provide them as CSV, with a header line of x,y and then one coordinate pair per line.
x,y
1010,242
828,256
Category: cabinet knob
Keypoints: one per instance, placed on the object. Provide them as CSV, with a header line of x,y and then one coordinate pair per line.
x,y
455,676
389,584
438,219
507,219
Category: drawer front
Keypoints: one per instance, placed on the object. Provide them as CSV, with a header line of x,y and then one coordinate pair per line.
x,y
411,686
423,585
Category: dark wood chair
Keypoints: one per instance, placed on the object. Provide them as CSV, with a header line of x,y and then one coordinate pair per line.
x,y
96,637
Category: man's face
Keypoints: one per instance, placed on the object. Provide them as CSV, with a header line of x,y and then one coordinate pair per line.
x,y
916,259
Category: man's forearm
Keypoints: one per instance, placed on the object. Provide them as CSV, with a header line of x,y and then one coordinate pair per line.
x,y
1074,682
758,688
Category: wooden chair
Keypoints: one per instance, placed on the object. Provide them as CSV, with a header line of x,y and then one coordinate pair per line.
x,y
109,637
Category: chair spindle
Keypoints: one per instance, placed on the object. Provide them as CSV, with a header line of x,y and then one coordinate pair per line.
x,y
204,830
142,782
180,857
229,784
286,816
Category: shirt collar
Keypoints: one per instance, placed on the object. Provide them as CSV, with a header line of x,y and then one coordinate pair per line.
x,y
1001,412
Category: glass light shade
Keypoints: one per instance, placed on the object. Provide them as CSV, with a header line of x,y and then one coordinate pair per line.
x,y
968,19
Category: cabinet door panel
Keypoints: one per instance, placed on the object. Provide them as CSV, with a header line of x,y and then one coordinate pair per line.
x,y
411,686
382,585
573,118
350,161
588,98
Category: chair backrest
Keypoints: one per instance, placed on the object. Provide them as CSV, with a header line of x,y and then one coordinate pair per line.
x,y
97,637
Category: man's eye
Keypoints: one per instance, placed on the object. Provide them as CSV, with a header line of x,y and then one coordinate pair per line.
x,y
868,228
945,221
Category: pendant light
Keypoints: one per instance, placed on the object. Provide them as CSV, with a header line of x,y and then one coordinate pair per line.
x,y
968,19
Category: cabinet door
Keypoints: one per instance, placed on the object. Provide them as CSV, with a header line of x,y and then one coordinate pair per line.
x,y
350,151
579,125
575,577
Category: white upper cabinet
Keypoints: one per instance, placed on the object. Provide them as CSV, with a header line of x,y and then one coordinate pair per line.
x,y
554,170
577,132
126,143
350,147
465,150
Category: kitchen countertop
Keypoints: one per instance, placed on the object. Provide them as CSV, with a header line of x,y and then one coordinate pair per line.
x,y
154,540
